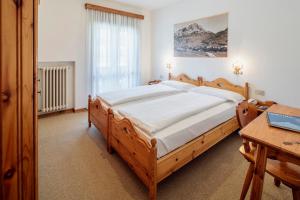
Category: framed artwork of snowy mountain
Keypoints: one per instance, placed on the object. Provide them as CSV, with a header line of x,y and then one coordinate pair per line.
x,y
206,37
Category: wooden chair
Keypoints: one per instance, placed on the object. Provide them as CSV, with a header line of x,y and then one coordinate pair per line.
x,y
287,173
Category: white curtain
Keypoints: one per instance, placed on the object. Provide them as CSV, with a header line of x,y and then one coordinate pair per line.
x,y
113,51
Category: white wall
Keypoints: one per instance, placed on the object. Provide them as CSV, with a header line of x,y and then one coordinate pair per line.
x,y
62,29
264,35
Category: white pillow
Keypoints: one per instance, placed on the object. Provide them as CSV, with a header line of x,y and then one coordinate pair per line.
x,y
224,94
178,85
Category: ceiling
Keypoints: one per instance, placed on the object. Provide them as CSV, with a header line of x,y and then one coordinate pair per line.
x,y
148,4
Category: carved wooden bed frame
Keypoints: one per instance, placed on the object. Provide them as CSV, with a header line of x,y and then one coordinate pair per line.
x,y
141,155
98,115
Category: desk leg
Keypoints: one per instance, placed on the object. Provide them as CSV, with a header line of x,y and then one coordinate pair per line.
x,y
259,173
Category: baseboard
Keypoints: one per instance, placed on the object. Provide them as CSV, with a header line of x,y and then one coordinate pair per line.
x,y
80,110
71,110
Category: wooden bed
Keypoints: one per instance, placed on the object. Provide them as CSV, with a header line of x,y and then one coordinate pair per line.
x,y
98,112
98,115
141,155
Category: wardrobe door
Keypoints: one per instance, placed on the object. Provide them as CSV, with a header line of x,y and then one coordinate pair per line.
x,y
18,132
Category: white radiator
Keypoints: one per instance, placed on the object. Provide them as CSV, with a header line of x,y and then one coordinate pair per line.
x,y
53,88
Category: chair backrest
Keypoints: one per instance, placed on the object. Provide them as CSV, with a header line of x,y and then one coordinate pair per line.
x,y
245,112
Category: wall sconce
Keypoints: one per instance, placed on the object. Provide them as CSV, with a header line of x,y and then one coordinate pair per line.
x,y
237,69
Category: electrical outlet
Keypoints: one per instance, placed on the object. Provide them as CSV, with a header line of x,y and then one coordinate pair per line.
x,y
260,92
161,77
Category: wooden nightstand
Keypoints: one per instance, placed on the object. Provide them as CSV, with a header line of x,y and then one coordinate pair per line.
x,y
154,82
261,106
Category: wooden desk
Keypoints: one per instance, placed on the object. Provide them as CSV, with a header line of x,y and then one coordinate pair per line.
x,y
272,142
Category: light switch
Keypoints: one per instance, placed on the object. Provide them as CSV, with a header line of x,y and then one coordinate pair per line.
x,y
260,92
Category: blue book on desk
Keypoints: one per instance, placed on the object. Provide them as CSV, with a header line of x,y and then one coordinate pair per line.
x,y
284,121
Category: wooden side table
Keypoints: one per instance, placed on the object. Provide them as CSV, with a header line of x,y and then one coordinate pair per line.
x,y
264,105
154,82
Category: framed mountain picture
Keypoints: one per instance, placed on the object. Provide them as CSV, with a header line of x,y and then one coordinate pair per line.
x,y
206,37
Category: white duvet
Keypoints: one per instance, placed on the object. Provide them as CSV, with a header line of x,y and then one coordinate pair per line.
x,y
152,116
137,93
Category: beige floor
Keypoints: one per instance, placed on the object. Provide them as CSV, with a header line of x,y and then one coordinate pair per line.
x,y
74,164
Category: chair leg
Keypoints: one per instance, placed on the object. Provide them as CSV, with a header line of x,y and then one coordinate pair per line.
x,y
247,181
277,182
296,194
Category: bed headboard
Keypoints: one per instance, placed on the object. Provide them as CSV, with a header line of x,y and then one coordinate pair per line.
x,y
186,79
220,83
227,85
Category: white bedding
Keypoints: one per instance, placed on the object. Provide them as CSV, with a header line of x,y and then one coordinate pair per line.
x,y
137,93
178,84
190,128
225,94
155,115
182,132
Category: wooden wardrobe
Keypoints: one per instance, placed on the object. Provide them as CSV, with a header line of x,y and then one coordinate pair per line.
x,y
18,122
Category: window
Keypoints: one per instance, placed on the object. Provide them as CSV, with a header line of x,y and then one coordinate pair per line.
x,y
114,51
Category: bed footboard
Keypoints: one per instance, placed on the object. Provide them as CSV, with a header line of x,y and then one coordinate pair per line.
x,y
97,115
173,161
142,156
139,154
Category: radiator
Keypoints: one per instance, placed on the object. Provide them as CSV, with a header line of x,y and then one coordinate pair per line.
x,y
53,88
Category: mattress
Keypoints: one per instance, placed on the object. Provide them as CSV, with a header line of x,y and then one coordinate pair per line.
x,y
184,131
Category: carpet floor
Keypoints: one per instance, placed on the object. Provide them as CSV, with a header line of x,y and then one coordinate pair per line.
x,y
74,164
